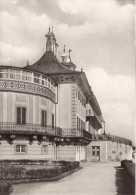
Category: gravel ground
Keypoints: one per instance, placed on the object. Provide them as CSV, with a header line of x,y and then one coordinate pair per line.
x,y
93,179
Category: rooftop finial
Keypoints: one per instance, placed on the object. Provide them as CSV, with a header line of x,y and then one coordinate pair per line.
x,y
27,63
64,48
69,54
49,28
52,29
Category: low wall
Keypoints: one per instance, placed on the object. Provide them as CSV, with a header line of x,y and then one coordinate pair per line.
x,y
129,166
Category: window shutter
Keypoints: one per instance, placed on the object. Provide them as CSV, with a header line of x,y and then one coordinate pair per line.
x,y
52,120
23,115
18,115
45,118
42,118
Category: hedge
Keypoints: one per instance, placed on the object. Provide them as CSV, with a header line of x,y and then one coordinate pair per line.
x,y
5,188
33,162
11,172
129,166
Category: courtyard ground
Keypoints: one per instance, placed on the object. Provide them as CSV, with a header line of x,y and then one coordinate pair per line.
x,y
94,178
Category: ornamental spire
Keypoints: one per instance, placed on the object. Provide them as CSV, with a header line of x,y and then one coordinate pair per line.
x,y
51,44
64,56
69,54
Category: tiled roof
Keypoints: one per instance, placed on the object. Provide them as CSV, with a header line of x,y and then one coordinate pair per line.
x,y
48,64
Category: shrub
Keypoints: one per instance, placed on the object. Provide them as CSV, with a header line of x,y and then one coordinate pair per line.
x,y
5,188
12,172
129,166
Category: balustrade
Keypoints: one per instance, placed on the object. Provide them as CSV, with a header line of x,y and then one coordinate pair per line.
x,y
29,129
76,133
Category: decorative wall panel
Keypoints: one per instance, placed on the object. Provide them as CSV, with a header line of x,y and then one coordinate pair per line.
x,y
19,86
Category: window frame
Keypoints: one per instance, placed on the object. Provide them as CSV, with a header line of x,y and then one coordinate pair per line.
x,y
20,148
22,120
43,122
43,147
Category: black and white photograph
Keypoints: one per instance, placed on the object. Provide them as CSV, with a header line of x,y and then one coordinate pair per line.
x,y
67,97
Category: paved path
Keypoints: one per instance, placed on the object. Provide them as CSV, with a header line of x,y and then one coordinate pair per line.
x,y
92,179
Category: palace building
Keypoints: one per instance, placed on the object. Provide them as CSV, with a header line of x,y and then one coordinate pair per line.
x,y
49,111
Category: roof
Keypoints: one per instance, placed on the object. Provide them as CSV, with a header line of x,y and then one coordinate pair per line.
x,y
48,64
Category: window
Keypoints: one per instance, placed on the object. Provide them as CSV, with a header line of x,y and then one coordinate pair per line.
x,y
26,76
20,148
44,80
3,73
15,74
21,115
36,78
45,149
44,118
98,152
49,83
52,120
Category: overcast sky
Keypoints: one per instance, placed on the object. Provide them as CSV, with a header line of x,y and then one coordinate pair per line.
x,y
101,36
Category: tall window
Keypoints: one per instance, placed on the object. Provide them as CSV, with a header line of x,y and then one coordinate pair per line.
x,y
52,120
21,115
44,118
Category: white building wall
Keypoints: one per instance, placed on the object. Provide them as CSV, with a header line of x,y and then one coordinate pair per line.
x,y
33,104
34,151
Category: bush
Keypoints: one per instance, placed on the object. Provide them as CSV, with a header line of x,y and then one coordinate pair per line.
x,y
10,172
5,188
129,166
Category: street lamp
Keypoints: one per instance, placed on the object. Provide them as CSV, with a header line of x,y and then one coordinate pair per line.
x,y
104,127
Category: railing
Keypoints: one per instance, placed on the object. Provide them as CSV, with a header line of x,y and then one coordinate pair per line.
x,y
37,129
87,134
76,133
92,113
111,138
28,128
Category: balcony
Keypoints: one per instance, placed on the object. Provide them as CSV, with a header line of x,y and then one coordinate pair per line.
x,y
76,133
29,129
94,119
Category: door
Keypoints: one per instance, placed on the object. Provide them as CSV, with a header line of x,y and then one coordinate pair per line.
x,y
95,153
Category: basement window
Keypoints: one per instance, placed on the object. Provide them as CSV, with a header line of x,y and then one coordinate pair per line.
x,y
20,148
44,149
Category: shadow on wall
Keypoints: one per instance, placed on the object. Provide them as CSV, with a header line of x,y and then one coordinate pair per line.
x,y
124,183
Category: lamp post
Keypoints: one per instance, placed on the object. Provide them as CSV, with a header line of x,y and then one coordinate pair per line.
x,y
104,128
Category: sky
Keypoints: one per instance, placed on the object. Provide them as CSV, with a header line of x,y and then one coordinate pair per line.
x,y
101,36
